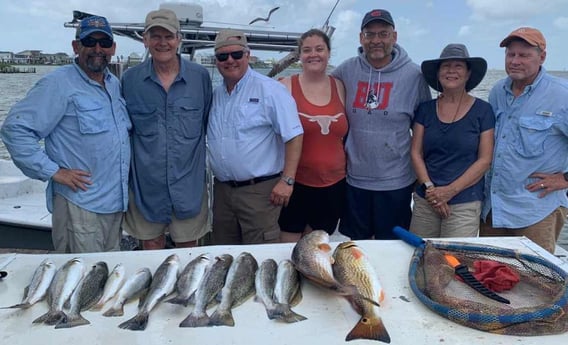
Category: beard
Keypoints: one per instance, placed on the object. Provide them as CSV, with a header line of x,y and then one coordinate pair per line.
x,y
97,62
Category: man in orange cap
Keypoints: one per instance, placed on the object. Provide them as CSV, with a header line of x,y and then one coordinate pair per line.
x,y
525,188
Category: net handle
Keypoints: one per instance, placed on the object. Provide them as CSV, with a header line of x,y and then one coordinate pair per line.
x,y
408,237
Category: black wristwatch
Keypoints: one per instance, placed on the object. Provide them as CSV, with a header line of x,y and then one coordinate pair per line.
x,y
289,181
566,176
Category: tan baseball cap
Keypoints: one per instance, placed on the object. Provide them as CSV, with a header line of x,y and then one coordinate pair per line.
x,y
530,35
229,37
164,18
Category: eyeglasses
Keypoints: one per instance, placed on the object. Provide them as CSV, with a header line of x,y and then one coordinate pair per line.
x,y
381,34
90,42
225,56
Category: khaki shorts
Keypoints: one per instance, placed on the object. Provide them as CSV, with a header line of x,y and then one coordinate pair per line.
x,y
181,230
462,222
544,233
245,215
76,230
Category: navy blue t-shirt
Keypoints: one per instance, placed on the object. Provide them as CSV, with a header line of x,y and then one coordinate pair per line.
x,y
449,149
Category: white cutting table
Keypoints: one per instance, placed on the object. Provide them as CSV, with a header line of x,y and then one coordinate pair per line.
x,y
330,317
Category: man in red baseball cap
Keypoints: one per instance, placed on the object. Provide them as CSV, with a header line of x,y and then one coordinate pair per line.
x,y
526,186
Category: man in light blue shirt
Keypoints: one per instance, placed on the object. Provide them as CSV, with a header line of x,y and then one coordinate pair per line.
x,y
525,189
79,112
255,141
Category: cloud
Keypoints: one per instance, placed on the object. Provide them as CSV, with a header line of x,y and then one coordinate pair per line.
x,y
465,30
516,10
409,28
561,23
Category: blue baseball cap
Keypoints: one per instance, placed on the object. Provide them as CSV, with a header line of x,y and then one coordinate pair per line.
x,y
94,24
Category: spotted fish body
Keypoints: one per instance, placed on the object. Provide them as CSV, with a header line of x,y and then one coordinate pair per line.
x,y
352,267
162,285
64,282
37,290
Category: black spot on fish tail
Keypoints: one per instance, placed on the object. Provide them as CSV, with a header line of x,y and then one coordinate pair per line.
x,y
137,323
195,320
369,328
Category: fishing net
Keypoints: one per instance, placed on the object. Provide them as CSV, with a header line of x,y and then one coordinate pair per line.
x,y
538,301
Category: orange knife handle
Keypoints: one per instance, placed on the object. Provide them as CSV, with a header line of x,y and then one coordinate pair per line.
x,y
452,260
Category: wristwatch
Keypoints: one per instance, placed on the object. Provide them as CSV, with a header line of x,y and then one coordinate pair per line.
x,y
566,176
427,184
289,181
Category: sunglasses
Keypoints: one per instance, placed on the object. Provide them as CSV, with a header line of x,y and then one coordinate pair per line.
x,y
235,55
90,42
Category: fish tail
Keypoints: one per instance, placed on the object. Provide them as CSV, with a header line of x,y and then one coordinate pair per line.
x,y
98,306
72,321
51,317
222,318
195,319
178,300
18,306
115,311
137,323
369,328
292,317
283,312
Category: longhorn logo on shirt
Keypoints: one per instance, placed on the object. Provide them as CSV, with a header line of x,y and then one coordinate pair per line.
x,y
324,121
376,96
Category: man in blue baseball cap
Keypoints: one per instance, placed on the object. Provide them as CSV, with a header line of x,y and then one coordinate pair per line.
x,y
79,112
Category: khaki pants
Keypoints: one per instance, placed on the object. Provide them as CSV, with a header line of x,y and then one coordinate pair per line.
x,y
76,230
544,233
181,230
245,215
462,222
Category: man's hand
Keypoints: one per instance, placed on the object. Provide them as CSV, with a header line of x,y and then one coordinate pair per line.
x,y
281,193
547,183
73,178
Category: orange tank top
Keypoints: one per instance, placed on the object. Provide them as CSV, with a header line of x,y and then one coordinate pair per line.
x,y
322,162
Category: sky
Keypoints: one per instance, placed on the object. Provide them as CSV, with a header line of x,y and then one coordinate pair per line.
x,y
424,27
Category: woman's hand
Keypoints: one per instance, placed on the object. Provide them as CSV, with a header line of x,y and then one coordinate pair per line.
x,y
439,195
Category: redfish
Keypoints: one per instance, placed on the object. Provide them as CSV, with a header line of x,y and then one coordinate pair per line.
x,y
352,267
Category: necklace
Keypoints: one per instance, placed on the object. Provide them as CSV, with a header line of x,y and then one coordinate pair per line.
x,y
444,126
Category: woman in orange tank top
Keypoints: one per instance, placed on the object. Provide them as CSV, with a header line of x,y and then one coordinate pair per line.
x,y
319,193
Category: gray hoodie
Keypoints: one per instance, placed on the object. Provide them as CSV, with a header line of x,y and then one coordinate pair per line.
x,y
378,142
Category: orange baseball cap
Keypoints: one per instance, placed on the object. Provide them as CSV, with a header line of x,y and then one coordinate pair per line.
x,y
530,35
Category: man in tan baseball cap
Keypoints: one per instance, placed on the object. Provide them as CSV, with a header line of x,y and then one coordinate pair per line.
x,y
168,98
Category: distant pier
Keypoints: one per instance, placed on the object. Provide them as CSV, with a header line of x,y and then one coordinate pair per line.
x,y
11,69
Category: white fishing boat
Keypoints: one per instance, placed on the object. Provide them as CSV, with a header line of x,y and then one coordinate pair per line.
x,y
24,219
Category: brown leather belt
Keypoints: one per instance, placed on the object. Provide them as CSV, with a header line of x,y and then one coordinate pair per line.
x,y
236,184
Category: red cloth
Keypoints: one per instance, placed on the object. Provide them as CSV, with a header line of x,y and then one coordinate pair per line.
x,y
495,275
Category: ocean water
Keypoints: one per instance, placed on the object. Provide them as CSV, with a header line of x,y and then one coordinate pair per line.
x,y
14,87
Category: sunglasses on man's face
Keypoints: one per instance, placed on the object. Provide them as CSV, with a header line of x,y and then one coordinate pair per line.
x,y
90,42
225,56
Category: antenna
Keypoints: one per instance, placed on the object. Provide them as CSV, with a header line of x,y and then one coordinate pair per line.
x,y
330,13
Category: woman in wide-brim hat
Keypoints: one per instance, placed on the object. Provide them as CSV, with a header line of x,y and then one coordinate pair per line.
x,y
452,147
